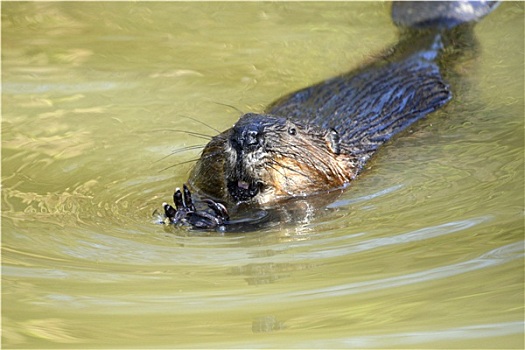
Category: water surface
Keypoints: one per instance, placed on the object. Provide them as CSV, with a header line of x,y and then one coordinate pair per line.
x,y
424,250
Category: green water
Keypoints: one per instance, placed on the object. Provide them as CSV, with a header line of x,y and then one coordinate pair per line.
x,y
425,249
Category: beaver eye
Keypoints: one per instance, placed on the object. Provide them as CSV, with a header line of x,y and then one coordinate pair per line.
x,y
292,131
334,141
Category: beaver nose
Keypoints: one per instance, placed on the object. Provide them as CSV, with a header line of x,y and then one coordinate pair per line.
x,y
251,137
248,136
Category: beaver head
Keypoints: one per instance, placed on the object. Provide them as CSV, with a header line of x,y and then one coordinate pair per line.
x,y
264,158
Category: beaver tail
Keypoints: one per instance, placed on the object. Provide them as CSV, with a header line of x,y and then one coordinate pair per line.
x,y
367,106
439,14
435,25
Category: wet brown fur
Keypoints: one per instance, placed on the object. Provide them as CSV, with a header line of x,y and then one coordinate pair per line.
x,y
295,160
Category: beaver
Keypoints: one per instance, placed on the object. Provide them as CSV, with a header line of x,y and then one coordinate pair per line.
x,y
318,139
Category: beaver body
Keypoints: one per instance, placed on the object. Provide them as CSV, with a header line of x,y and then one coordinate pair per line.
x,y
318,139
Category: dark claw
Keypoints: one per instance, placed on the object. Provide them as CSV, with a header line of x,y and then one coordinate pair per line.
x,y
169,211
218,208
185,212
187,198
178,200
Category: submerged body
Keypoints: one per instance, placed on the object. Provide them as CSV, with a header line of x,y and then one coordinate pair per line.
x,y
318,139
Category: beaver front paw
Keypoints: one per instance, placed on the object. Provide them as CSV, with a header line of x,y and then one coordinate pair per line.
x,y
185,212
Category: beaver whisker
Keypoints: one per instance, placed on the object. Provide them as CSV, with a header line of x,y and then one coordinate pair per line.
x,y
287,167
180,150
230,106
290,180
211,154
202,123
313,161
180,163
281,172
193,133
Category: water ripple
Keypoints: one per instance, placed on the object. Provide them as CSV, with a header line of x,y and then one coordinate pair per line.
x,y
421,337
494,257
417,235
232,298
40,88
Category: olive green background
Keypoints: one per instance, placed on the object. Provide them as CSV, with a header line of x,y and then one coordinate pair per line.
x,y
424,250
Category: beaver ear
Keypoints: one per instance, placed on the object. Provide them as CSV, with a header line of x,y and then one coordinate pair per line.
x,y
334,141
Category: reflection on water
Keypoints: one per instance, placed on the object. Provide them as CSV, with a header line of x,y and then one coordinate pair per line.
x,y
424,250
